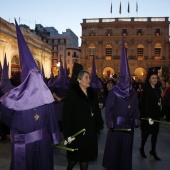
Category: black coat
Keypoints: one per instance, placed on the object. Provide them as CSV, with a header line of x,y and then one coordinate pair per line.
x,y
82,112
150,108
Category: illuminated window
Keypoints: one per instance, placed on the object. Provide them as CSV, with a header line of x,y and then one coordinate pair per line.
x,y
140,52
91,50
157,52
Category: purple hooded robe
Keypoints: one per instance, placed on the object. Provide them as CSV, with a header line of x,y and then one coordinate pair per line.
x,y
122,113
28,111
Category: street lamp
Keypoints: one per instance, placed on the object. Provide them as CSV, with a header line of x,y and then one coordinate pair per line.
x,y
58,64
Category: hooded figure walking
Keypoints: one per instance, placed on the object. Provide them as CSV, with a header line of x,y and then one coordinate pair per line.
x,y
122,115
5,86
29,113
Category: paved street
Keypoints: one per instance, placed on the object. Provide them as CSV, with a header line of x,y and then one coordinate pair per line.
x,y
163,151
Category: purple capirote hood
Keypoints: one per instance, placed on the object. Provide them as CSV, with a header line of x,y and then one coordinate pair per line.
x,y
123,88
95,82
32,93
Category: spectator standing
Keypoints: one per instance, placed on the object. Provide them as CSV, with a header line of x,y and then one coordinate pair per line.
x,y
81,111
151,110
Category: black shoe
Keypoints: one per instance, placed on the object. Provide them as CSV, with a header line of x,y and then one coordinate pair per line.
x,y
154,156
142,152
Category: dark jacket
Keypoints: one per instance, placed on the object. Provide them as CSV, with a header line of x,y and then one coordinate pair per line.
x,y
166,98
150,109
82,112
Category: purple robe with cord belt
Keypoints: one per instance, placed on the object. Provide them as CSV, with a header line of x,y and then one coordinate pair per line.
x,y
33,133
120,113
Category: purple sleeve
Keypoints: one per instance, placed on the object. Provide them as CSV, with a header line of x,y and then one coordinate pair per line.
x,y
109,110
53,125
6,115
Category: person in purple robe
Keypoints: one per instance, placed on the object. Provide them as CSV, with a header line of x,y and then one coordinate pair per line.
x,y
58,89
29,113
95,81
5,86
5,83
122,115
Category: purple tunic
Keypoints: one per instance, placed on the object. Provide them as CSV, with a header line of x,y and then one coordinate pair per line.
x,y
120,113
34,149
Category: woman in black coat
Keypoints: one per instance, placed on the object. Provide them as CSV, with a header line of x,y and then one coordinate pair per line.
x,y
81,111
150,110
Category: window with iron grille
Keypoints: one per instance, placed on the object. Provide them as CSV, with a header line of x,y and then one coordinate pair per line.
x,y
124,31
139,31
140,52
92,32
157,52
157,32
91,50
109,32
108,51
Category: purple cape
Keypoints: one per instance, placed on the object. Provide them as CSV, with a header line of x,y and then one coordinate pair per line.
x,y
32,93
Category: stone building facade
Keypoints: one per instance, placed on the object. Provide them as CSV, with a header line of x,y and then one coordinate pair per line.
x,y
64,46
40,50
146,41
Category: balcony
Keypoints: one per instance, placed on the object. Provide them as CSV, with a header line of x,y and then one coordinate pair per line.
x,y
131,57
116,57
109,33
140,58
158,58
108,57
92,33
139,33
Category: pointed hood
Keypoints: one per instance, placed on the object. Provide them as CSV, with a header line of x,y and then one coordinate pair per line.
x,y
62,79
43,74
65,68
27,61
123,88
5,83
61,70
0,70
95,82
32,92
52,79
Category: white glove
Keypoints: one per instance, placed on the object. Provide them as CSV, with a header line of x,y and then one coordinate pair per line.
x,y
151,122
69,140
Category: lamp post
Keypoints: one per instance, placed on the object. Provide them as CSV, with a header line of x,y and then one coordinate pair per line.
x,y
58,65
